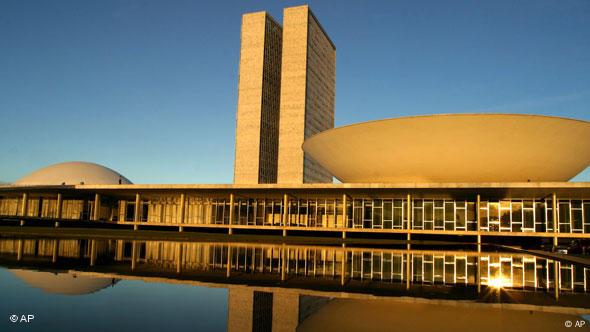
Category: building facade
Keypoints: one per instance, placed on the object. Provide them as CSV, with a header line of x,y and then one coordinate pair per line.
x,y
259,83
285,94
542,210
308,83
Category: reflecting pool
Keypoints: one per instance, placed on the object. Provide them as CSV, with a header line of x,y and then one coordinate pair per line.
x,y
105,284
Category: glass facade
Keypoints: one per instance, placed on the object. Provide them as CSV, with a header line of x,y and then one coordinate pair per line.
x,y
359,213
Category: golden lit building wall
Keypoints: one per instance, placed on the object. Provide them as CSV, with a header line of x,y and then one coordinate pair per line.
x,y
259,86
381,212
9,206
308,81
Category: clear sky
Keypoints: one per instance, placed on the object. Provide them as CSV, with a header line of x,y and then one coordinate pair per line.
x,y
149,88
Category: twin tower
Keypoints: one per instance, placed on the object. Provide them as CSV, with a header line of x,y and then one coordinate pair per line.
x,y
286,88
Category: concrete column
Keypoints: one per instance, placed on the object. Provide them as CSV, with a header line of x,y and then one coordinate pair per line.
x,y
59,208
181,212
121,210
554,213
408,274
136,215
24,205
478,220
230,231
96,214
343,271
556,278
92,252
344,215
133,255
119,251
285,213
19,253
228,264
179,257
24,208
283,262
409,216
478,276
55,251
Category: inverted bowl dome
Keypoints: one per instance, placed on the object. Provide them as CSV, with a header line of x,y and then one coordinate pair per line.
x,y
74,172
455,148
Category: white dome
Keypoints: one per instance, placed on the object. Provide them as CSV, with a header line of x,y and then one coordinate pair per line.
x,y
71,173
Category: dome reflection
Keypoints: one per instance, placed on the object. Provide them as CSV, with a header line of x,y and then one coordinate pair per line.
x,y
68,283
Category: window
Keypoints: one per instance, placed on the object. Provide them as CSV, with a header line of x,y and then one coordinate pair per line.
x,y
428,215
130,211
483,215
564,218
449,215
505,215
357,213
540,224
398,213
460,215
577,217
368,214
377,213
471,222
517,216
418,214
549,215
494,216
439,215
387,214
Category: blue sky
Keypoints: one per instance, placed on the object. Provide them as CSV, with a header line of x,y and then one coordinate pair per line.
x,y
149,88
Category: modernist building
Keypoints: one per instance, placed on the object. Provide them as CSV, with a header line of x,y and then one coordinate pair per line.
x,y
473,175
285,94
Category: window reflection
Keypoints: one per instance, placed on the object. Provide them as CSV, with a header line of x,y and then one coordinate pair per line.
x,y
388,266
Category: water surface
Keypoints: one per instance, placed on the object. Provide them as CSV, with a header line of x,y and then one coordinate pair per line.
x,y
109,283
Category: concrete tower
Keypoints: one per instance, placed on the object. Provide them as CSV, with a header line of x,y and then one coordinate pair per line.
x,y
308,80
259,82
286,86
